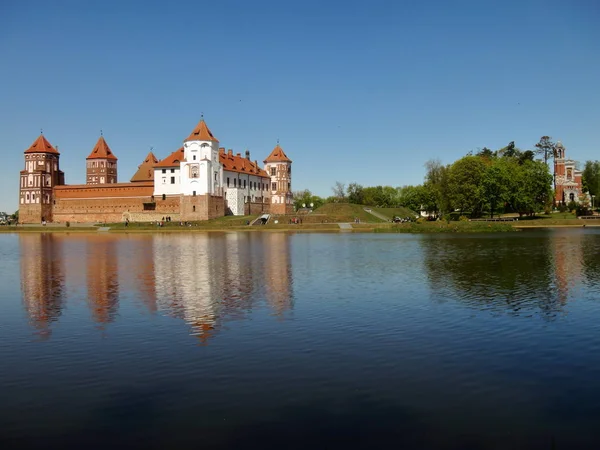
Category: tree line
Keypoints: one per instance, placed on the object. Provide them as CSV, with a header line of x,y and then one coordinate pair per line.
x,y
486,182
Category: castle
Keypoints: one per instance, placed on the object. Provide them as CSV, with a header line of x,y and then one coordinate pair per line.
x,y
199,181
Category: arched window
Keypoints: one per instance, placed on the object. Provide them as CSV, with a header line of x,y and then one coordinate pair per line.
x,y
194,172
164,197
194,208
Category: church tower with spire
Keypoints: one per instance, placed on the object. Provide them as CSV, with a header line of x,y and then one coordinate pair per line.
x,y
101,164
42,173
279,168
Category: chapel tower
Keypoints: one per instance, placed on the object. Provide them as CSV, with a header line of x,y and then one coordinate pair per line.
x,y
279,168
567,179
101,164
37,182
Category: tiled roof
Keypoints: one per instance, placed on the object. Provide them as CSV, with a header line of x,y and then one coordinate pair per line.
x,y
102,151
41,145
277,155
173,159
145,171
201,133
237,163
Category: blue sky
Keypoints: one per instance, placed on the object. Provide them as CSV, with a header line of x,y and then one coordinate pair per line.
x,y
361,92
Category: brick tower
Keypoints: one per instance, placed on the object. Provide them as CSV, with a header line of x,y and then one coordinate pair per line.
x,y
567,179
37,182
101,165
279,168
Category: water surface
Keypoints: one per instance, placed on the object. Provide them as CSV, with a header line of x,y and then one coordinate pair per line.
x,y
273,340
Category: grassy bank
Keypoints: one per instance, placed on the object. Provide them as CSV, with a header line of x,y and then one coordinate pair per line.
x,y
46,229
438,227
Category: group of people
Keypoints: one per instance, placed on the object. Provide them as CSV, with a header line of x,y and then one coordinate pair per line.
x,y
296,220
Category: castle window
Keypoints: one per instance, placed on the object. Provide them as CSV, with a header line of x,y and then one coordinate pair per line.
x,y
244,184
194,208
164,171
194,194
33,197
164,197
289,170
235,182
227,181
172,170
164,180
194,172
273,171
194,157
289,186
273,186
172,180
27,197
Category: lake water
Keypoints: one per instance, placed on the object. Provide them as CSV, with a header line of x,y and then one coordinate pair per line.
x,y
273,340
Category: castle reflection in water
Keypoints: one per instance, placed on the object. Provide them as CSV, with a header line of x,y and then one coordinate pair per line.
x,y
203,279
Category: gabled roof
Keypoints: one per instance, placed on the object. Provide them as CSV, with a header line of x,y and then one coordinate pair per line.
x,y
145,170
173,159
102,151
277,155
41,145
237,163
201,133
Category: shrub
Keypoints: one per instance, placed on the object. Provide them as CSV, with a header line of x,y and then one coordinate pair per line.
x,y
562,208
420,220
463,219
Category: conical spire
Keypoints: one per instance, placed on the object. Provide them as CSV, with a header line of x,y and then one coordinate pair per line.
x,y
145,170
102,150
201,133
41,145
277,155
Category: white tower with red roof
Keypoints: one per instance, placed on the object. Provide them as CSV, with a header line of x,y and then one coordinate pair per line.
x,y
200,170
279,167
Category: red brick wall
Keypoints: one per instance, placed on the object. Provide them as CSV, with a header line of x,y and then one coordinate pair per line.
x,y
34,212
113,209
201,207
282,208
252,209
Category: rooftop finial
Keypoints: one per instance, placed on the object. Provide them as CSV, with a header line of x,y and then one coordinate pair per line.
x,y
277,141
202,115
41,131
101,132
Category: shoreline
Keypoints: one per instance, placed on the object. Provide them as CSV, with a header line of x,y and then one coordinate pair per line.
x,y
426,228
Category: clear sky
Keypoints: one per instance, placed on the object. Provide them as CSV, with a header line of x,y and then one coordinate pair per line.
x,y
363,91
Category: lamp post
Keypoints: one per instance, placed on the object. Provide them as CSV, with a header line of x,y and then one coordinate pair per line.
x,y
593,202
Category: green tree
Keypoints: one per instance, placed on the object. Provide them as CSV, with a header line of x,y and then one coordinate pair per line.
x,y
590,177
464,184
339,191
496,183
546,147
531,188
412,197
436,197
303,199
355,193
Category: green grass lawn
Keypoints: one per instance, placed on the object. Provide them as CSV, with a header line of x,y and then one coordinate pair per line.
x,y
391,212
343,212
